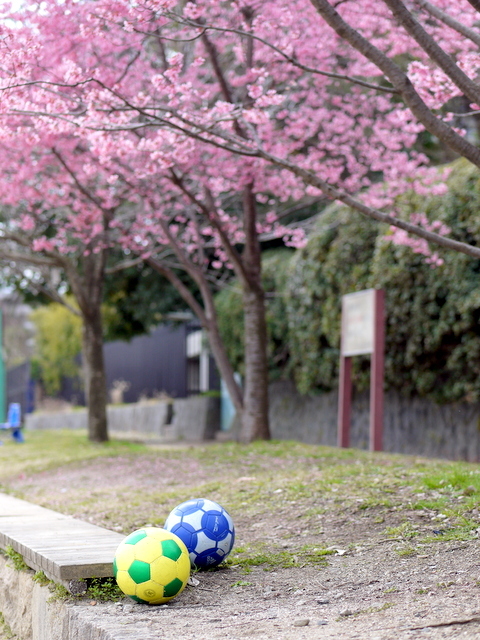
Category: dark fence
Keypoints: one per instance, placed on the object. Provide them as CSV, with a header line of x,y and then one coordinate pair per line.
x,y
151,364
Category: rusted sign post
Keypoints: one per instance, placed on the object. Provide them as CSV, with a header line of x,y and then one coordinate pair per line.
x,y
363,332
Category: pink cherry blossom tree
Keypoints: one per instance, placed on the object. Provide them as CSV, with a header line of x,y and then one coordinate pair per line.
x,y
205,119
80,191
55,220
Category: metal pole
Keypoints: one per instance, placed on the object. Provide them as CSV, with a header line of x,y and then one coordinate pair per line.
x,y
344,402
2,374
377,373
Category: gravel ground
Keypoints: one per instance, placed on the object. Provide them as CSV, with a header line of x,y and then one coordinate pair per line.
x,y
372,584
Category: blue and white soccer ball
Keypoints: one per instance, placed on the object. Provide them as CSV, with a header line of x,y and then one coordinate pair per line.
x,y
206,528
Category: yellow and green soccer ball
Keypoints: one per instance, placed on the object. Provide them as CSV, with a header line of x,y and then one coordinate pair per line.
x,y
151,565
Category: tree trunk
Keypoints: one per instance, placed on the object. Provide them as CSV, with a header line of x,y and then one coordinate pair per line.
x,y
255,421
224,366
87,286
95,382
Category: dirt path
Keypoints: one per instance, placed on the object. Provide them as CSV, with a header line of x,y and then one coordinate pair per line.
x,y
394,567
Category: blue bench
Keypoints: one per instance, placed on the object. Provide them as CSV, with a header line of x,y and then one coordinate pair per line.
x,y
14,422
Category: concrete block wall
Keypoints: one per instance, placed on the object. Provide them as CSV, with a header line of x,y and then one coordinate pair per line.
x,y
190,419
33,613
412,426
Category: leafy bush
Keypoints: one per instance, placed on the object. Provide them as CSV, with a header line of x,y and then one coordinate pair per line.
x,y
337,260
433,313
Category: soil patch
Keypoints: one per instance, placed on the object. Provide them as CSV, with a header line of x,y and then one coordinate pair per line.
x,y
329,544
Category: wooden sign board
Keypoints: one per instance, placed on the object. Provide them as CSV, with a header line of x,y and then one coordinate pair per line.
x,y
358,321
363,332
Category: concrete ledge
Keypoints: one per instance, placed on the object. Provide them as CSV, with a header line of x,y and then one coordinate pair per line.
x,y
64,548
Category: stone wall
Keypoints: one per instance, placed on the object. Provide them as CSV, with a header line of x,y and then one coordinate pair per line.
x,y
190,419
32,612
411,426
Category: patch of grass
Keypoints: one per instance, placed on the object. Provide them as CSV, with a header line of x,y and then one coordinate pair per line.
x,y
103,589
16,558
5,628
44,450
40,578
455,478
308,555
436,504
375,502
445,585
406,551
406,531
383,607
59,592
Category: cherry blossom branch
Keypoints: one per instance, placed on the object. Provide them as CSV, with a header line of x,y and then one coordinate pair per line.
x,y
433,50
128,66
376,214
400,81
293,61
436,12
86,192
211,214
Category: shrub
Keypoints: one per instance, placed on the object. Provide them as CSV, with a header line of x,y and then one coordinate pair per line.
x,y
433,313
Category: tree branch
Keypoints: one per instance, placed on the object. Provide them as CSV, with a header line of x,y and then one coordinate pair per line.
x,y
182,289
370,212
400,81
211,214
79,185
293,61
433,50
434,11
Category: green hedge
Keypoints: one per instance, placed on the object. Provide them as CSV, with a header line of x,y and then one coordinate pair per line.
x,y
433,313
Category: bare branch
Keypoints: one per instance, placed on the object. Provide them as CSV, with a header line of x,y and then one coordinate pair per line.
x,y
35,260
126,264
182,289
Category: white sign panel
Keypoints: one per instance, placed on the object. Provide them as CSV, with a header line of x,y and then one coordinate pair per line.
x,y
358,318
